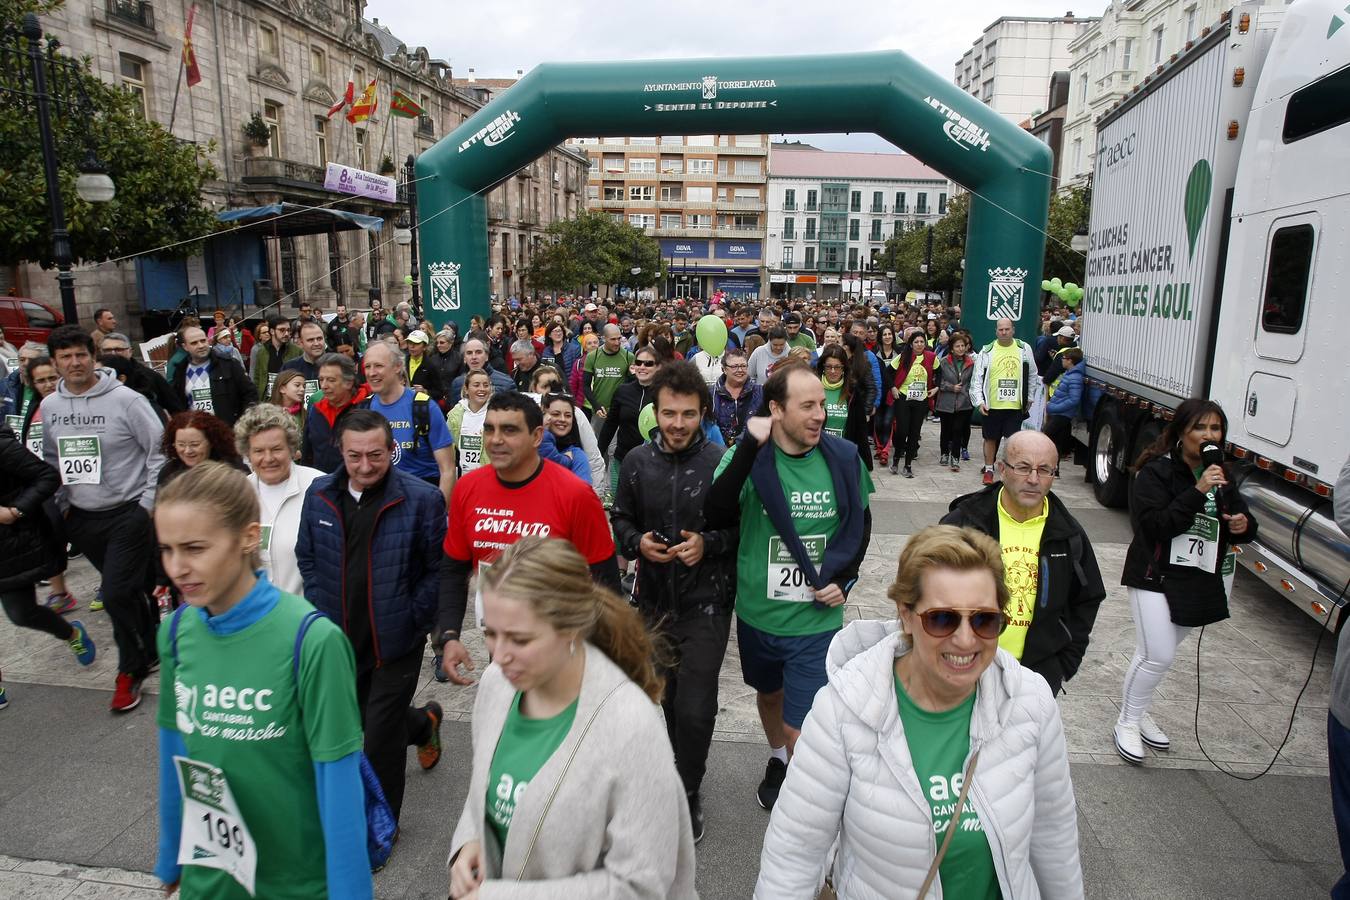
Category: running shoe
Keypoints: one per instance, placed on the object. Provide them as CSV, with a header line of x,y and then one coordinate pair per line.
x,y
81,644
429,754
909,473
965,455
767,792
956,466
438,669
1129,744
696,816
126,693
4,700
96,605
895,467
988,477
61,603
944,460
72,553
1151,734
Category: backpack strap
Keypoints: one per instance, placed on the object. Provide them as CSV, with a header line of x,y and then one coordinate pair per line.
x,y
173,632
421,419
310,618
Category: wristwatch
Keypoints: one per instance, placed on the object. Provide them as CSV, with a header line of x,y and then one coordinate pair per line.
x,y
444,638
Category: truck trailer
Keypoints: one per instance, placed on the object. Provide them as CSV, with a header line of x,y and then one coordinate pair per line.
x,y
1218,264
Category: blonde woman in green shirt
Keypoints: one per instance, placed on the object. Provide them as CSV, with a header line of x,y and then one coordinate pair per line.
x,y
574,791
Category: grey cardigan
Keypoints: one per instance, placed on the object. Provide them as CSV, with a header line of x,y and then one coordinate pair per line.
x,y
606,816
953,389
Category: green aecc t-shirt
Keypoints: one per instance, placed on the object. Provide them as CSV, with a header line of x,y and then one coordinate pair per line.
x,y
523,748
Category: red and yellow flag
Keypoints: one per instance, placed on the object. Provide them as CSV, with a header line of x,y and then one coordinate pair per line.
x,y
194,74
364,106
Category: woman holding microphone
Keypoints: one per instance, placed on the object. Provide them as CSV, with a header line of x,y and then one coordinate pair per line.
x,y
1186,516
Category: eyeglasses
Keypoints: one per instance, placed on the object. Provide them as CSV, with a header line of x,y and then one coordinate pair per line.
x,y
645,363
735,366
1024,471
941,623
834,368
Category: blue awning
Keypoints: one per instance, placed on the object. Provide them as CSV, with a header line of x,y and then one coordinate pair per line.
x,y
293,219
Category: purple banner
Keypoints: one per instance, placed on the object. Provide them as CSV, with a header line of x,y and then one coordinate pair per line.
x,y
345,180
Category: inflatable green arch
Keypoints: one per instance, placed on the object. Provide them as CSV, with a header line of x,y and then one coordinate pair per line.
x,y
1004,168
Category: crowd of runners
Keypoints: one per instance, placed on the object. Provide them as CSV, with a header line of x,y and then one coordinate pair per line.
x,y
288,514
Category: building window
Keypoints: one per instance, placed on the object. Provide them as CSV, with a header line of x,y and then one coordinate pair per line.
x,y
898,229
672,165
699,140
854,225
1291,255
810,257
642,165
267,41
810,229
878,205
787,257
789,199
670,220
1127,54
700,166
810,202
1190,24
318,63
853,259
987,91
642,192
899,202
921,205
789,229
671,193
595,165
321,140
335,264
855,201
614,192
698,220
642,220
1078,154
749,140
644,141
748,195
1157,45
942,204
135,75
272,119
699,194
1082,90
361,148
875,234
592,192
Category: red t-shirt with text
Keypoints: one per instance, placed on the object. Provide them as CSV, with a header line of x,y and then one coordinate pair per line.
x,y
486,516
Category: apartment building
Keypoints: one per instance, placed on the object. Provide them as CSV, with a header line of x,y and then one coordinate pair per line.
x,y
701,196
1010,65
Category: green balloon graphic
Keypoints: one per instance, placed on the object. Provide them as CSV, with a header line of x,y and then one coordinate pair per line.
x,y
1045,284
1070,287
1198,187
647,421
711,332
1055,284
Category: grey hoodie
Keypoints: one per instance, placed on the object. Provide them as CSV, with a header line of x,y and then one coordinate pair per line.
x,y
129,434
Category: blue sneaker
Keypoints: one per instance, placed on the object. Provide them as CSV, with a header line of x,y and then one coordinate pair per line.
x,y
81,644
96,605
438,670
4,700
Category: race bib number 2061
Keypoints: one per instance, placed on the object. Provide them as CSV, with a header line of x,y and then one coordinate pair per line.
x,y
80,459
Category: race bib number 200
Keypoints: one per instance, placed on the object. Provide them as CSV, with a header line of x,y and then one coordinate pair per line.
x,y
786,580
80,459
214,833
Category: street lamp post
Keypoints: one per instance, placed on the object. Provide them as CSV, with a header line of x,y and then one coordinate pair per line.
x,y
410,187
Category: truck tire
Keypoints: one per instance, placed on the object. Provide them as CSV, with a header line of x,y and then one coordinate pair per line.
x,y
1106,462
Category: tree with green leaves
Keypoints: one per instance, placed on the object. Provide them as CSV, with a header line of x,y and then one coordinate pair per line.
x,y
904,253
593,248
159,179
1068,215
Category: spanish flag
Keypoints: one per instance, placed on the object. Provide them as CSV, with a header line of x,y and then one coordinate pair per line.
x,y
194,74
364,106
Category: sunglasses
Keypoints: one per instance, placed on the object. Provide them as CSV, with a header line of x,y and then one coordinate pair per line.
x,y
644,363
941,623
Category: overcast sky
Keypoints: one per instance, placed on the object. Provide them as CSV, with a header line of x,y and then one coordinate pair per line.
x,y
496,39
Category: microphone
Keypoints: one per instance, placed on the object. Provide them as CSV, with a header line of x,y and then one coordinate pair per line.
x,y
1212,455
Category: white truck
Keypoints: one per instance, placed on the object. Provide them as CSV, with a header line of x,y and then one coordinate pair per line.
x,y
1219,266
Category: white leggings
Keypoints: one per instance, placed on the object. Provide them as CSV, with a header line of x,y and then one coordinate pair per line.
x,y
1156,642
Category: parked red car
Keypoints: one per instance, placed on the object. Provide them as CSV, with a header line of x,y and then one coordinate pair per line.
x,y
25,319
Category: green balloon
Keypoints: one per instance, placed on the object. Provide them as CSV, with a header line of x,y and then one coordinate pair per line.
x,y
1070,287
1056,284
1045,284
711,333
647,420
407,279
1072,301
1077,294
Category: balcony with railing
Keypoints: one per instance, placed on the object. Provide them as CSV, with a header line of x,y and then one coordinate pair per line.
x,y
260,169
790,207
132,12
426,127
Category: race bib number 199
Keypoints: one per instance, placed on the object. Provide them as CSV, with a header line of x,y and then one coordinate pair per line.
x,y
214,833
80,459
786,580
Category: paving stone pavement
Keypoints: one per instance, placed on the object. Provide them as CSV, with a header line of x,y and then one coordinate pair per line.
x,y
1252,668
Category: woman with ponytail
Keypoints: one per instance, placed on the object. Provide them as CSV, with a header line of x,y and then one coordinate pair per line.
x,y
574,791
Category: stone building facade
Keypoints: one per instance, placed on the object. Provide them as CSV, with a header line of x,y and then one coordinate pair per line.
x,y
288,62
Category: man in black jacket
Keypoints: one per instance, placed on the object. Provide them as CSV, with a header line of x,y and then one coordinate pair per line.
x,y
210,382
685,570
1051,571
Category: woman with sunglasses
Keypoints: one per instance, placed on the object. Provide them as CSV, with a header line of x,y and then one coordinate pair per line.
x,y
626,408
968,734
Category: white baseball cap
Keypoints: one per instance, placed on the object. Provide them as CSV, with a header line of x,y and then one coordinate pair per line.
x,y
418,336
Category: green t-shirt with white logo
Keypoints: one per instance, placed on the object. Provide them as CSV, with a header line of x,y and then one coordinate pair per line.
x,y
836,411
939,744
772,593
609,370
523,748
234,700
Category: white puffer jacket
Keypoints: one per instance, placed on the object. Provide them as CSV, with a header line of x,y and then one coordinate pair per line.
x,y
852,777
